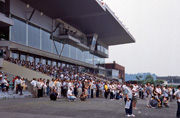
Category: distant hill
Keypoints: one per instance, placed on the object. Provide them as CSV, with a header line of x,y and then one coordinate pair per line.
x,y
143,75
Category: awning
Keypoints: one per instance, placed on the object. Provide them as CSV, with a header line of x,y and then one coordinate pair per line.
x,y
88,16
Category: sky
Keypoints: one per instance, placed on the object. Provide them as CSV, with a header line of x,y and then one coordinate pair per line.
x,y
155,25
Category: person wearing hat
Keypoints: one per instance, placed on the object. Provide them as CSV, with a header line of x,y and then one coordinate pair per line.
x,y
128,98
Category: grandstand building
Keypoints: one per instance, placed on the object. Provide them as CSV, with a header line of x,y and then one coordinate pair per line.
x,y
60,32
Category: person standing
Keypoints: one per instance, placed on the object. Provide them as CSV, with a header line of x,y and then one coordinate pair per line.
x,y
34,92
47,88
112,91
106,90
100,89
135,90
58,86
18,85
128,98
149,93
51,86
170,94
79,85
6,84
97,89
65,88
40,88
177,95
92,89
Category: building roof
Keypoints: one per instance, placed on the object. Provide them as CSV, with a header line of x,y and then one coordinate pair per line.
x,y
88,16
168,77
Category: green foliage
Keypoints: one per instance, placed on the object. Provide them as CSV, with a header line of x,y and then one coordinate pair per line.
x,y
158,81
149,79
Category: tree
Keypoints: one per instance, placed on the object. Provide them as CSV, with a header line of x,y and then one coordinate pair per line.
x,y
159,81
149,79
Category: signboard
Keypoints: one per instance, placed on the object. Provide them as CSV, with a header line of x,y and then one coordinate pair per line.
x,y
115,73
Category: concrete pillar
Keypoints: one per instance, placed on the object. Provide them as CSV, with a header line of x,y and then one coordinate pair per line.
x,y
9,53
27,57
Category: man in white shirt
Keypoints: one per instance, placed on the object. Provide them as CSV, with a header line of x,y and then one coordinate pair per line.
x,y
177,94
70,95
58,85
18,85
51,85
33,83
158,89
128,97
6,84
135,91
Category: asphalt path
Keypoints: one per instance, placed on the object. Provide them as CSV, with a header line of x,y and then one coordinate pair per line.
x,y
92,108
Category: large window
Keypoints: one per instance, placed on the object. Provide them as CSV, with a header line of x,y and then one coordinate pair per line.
x,y
23,57
43,61
79,54
15,55
58,46
33,36
31,59
46,41
18,31
37,60
73,52
65,50
86,56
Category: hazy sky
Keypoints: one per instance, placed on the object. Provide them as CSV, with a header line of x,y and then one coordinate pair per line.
x,y
155,24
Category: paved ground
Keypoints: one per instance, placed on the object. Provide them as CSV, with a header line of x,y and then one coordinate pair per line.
x,y
11,94
93,108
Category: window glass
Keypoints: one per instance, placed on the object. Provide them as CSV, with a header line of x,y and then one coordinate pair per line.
x,y
59,64
37,60
33,36
79,54
23,57
31,59
58,46
65,50
18,32
43,61
15,55
49,62
46,41
73,52
54,63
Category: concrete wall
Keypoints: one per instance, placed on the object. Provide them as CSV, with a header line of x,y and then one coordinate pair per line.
x,y
15,69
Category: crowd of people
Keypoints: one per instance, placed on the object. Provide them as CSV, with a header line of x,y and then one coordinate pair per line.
x,y
18,85
68,82
89,88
